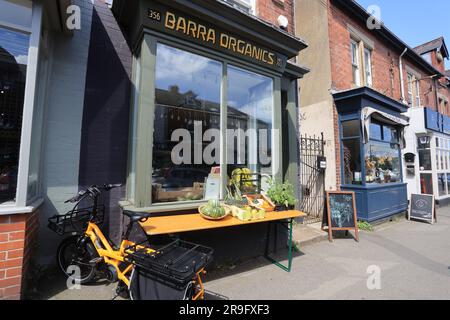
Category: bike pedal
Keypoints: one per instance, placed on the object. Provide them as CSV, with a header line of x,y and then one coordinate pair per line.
x,y
96,260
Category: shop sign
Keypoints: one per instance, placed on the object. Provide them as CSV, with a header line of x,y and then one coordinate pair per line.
x,y
422,208
341,213
192,29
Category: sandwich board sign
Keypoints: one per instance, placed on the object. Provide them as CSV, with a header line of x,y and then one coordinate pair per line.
x,y
341,213
422,207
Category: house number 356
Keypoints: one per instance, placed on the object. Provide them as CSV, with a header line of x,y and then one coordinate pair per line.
x,y
154,15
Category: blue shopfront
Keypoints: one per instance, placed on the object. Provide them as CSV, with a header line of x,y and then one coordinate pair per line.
x,y
371,139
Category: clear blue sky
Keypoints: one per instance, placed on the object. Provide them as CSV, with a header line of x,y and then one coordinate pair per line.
x,y
415,21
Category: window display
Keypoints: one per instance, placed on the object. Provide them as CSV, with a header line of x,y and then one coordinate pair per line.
x,y
382,163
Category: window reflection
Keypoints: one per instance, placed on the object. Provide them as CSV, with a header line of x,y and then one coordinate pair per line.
x,y
382,163
13,67
187,98
250,107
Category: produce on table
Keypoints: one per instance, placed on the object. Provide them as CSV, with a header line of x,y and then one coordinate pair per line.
x,y
261,201
235,198
213,209
248,213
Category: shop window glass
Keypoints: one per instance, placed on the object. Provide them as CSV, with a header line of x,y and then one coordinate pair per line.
x,y
16,13
13,68
249,117
442,182
186,126
350,129
375,131
382,163
352,161
425,159
448,182
426,183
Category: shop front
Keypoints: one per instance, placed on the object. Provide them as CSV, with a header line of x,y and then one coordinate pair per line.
x,y
429,139
207,101
371,140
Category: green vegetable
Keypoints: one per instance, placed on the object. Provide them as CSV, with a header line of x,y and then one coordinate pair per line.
x,y
282,193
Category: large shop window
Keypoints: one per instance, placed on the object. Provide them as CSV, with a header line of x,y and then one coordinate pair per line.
x,y
188,127
351,151
382,158
13,67
249,117
187,107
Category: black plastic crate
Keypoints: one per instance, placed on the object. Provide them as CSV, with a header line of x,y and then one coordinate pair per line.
x,y
75,221
178,261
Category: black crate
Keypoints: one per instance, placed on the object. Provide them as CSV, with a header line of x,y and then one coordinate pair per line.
x,y
178,261
75,221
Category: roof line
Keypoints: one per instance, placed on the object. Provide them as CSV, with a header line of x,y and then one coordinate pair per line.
x,y
390,36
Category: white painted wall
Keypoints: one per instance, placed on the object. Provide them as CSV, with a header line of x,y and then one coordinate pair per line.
x,y
63,124
416,127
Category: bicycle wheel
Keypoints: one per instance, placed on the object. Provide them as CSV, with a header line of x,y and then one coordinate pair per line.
x,y
71,252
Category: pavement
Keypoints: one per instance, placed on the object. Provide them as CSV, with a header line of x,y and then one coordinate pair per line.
x,y
399,260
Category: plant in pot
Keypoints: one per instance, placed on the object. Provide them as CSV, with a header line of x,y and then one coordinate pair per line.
x,y
282,195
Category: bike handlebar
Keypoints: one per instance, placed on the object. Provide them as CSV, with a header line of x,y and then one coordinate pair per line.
x,y
92,191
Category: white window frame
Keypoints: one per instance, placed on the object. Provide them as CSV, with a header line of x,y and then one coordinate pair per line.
x,y
368,67
356,64
21,206
410,79
250,4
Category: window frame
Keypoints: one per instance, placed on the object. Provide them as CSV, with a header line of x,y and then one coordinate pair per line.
x,y
22,204
356,63
362,71
142,160
441,164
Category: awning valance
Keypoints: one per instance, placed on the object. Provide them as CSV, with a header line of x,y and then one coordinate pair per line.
x,y
368,113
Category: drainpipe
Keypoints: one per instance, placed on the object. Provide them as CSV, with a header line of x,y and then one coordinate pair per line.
x,y
402,85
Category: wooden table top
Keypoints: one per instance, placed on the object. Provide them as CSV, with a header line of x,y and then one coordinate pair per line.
x,y
194,222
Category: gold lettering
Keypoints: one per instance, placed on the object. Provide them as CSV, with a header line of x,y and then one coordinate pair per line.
x,y
170,20
248,50
232,45
256,53
201,32
264,56
211,36
271,58
224,40
192,27
240,47
181,25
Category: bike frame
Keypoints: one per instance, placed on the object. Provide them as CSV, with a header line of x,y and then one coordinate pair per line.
x,y
115,257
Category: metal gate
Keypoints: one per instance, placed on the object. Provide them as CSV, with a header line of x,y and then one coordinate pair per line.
x,y
312,178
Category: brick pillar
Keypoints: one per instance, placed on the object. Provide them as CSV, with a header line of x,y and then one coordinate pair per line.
x,y
17,239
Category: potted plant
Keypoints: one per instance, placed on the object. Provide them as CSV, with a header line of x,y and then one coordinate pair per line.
x,y
282,195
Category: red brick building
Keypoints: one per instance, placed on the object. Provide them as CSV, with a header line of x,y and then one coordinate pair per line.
x,y
364,78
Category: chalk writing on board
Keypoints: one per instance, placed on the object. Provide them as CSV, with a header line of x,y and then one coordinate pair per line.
x,y
341,207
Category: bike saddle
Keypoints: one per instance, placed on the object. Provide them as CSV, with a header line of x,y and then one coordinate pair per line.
x,y
136,216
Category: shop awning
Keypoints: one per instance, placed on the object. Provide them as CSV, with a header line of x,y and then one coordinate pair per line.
x,y
368,113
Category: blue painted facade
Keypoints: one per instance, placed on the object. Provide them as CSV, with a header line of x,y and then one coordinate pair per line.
x,y
373,201
436,121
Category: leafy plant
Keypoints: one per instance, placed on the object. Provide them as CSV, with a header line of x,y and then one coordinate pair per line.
x,y
282,194
365,226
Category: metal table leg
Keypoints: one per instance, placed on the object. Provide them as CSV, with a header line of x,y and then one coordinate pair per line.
x,y
289,226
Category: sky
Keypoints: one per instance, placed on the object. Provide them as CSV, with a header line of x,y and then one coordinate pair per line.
x,y
415,21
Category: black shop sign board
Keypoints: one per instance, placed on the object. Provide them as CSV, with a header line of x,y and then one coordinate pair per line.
x,y
341,213
422,207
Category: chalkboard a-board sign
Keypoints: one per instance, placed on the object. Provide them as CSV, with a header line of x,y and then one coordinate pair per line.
x,y
341,213
422,207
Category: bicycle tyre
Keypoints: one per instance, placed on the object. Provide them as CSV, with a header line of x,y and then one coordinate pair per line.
x,y
69,248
